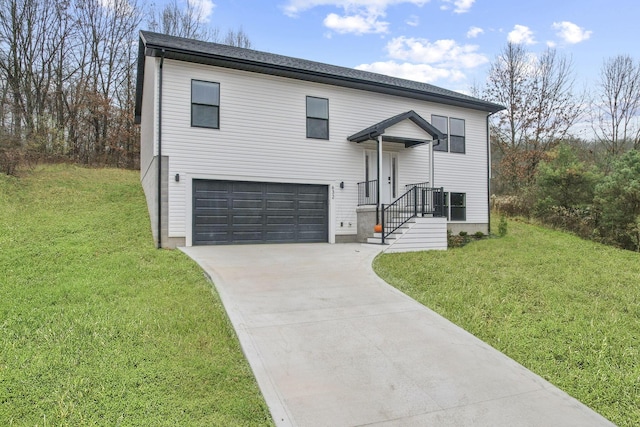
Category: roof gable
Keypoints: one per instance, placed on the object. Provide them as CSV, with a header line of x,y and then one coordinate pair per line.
x,y
372,132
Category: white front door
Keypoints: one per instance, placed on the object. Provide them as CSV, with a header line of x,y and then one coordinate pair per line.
x,y
388,177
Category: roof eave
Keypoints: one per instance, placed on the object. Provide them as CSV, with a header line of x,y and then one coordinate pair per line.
x,y
171,52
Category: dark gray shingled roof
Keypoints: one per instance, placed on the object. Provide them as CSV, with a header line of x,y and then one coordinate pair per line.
x,y
155,44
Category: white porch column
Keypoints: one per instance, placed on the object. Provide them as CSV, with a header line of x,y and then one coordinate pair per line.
x,y
431,163
379,159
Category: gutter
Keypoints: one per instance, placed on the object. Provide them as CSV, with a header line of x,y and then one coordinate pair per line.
x,y
160,152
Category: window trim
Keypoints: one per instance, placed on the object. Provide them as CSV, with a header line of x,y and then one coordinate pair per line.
x,y
216,106
308,117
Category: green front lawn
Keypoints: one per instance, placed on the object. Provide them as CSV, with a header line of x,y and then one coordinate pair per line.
x,y
566,308
97,327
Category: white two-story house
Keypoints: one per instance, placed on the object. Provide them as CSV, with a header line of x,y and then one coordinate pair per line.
x,y
242,146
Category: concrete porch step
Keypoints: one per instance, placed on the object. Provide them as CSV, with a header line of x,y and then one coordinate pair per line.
x,y
377,237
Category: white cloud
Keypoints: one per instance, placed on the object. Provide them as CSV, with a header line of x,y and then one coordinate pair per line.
x,y
570,32
474,32
417,72
521,35
120,6
201,9
294,7
356,24
413,21
551,44
445,52
425,61
359,17
459,6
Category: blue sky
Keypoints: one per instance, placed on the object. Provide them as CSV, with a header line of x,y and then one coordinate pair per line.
x,y
449,43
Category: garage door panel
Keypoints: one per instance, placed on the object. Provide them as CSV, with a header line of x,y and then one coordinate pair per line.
x,y
274,189
252,204
312,220
281,205
209,238
243,187
311,206
280,219
246,219
227,212
246,237
211,204
280,236
208,220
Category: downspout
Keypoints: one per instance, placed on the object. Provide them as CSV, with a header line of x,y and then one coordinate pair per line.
x,y
160,152
489,174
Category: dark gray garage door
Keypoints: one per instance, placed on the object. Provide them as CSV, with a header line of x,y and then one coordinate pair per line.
x,y
226,212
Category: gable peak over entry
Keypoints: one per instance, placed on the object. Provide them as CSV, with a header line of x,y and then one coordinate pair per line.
x,y
373,132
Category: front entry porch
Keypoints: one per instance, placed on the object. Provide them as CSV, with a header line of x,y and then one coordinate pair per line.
x,y
414,221
381,202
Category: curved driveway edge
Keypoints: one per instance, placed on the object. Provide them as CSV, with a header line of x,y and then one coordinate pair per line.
x,y
332,344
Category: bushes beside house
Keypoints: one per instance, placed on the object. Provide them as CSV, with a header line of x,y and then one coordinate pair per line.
x,y
573,195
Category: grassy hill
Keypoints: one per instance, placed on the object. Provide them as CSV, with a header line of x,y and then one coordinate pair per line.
x,y
566,308
97,327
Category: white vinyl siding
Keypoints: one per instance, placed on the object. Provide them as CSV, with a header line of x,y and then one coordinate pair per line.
x,y
467,173
264,139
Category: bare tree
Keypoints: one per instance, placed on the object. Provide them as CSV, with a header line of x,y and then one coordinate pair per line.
x,y
556,105
539,96
616,108
107,33
67,74
541,107
238,38
508,84
185,20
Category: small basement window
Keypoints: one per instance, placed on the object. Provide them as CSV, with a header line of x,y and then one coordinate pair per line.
x,y
458,207
205,104
317,118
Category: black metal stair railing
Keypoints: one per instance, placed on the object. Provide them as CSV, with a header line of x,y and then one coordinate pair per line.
x,y
418,200
368,193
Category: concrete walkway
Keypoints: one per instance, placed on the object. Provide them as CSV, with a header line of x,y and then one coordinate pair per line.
x,y
331,344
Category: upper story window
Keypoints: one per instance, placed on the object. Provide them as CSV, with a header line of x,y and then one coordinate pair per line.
x,y
317,118
456,136
442,124
454,130
205,104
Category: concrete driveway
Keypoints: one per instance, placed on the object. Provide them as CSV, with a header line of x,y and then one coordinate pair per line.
x,y
331,344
